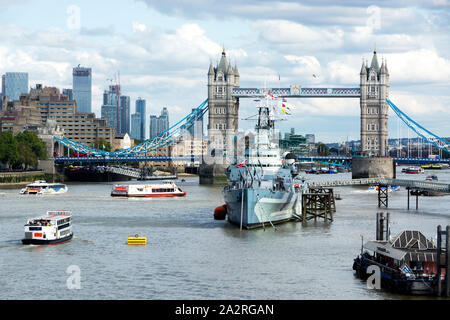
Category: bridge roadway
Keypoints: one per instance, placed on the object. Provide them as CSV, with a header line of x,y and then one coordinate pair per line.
x,y
99,159
409,184
397,160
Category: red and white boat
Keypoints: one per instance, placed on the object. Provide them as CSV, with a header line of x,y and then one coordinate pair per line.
x,y
414,170
165,189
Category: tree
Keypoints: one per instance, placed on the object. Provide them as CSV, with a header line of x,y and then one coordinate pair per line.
x,y
9,153
26,155
102,144
31,140
322,150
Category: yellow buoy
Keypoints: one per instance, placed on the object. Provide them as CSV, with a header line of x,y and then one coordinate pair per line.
x,y
136,240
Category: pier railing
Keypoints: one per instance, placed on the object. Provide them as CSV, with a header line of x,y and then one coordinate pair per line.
x,y
409,184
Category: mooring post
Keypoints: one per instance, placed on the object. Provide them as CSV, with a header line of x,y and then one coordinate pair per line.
x,y
447,261
417,201
438,261
407,191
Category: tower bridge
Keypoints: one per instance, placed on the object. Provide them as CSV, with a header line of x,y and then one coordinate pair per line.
x,y
222,106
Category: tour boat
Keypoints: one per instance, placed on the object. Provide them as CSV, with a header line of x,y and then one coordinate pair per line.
x,y
414,170
165,189
53,228
42,187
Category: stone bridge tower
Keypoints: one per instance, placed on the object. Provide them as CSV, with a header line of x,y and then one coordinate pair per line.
x,y
223,121
374,82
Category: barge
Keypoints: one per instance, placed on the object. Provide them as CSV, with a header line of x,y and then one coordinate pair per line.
x,y
408,263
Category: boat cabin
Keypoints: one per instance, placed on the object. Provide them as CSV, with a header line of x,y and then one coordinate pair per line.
x,y
410,253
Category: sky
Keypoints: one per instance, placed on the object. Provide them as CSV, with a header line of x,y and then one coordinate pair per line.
x,y
162,51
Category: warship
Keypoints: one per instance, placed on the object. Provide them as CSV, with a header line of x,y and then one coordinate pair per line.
x,y
262,189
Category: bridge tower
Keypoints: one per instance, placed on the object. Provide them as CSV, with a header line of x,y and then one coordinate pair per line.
x,y
374,82
223,108
223,121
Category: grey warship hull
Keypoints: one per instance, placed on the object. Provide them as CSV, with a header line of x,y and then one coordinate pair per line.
x,y
260,207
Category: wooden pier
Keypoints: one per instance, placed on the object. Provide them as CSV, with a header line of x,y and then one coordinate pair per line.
x,y
318,203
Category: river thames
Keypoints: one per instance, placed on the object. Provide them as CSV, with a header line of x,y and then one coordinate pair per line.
x,y
192,256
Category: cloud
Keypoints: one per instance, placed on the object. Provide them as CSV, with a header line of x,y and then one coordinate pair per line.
x,y
138,27
295,36
419,66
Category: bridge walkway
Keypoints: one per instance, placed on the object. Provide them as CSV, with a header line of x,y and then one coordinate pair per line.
x,y
409,184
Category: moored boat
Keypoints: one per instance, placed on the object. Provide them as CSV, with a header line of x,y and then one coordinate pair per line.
x,y
165,189
406,263
261,189
43,187
53,228
414,170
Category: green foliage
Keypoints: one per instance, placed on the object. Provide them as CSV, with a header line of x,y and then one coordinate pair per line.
x,y
24,149
37,146
102,144
322,150
9,153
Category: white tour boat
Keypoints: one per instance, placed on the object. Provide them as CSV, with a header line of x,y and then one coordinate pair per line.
x,y
53,228
42,187
165,189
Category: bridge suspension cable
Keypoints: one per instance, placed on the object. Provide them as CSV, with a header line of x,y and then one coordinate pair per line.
x,y
430,137
154,143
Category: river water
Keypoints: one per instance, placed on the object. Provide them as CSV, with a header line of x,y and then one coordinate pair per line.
x,y
190,255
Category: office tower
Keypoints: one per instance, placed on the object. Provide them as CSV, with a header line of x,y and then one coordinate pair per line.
x,y
136,126
14,84
68,93
140,108
124,109
82,88
110,107
42,104
196,130
159,124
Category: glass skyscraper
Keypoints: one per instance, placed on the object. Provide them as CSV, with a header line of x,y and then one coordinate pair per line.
x,y
124,114
140,108
196,130
82,88
159,124
109,107
136,126
15,83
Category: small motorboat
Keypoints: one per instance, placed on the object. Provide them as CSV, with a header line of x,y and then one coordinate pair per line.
x,y
432,177
390,188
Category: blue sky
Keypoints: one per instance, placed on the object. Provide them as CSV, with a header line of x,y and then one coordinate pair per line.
x,y
163,50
